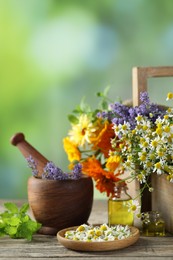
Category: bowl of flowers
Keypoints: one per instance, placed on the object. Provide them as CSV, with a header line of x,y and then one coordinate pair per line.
x,y
57,199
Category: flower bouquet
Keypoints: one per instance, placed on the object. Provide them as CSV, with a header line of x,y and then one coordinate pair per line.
x,y
117,138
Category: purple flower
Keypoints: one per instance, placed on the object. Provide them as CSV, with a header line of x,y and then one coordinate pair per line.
x,y
77,171
144,98
33,165
52,172
119,113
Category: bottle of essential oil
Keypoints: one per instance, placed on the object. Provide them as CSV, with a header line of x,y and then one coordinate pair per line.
x,y
152,224
119,205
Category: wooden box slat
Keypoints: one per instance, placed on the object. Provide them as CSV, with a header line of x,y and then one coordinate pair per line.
x,y
140,76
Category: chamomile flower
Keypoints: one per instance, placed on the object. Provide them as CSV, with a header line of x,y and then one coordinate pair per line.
x,y
133,206
98,233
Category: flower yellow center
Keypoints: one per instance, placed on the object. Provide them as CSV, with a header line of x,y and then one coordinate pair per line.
x,y
154,143
124,127
167,129
145,127
139,118
170,95
158,165
159,131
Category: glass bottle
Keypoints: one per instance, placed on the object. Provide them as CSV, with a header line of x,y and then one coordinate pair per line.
x,y
119,205
152,224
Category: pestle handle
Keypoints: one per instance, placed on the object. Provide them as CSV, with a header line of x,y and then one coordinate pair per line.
x,y
26,149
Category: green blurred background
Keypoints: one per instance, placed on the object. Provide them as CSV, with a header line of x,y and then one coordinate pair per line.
x,y
54,52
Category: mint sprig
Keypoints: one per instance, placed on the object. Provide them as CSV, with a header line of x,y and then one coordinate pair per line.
x,y
16,223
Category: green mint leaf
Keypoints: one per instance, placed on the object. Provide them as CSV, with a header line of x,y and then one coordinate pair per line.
x,y
14,221
27,229
2,224
11,231
12,207
25,218
24,208
32,225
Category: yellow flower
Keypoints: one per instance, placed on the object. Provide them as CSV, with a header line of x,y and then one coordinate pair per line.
x,y
113,162
169,96
139,118
154,143
71,149
81,132
159,131
145,127
142,157
158,165
167,129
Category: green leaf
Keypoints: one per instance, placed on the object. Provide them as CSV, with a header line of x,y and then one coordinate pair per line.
x,y
25,218
24,208
106,91
104,105
12,207
2,224
14,221
100,94
27,229
10,230
73,119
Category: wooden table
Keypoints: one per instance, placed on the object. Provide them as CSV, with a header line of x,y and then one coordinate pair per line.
x,y
47,247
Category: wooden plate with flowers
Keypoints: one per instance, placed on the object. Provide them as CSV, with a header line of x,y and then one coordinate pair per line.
x,y
97,246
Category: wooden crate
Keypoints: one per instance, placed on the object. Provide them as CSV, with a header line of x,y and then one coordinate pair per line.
x,y
162,196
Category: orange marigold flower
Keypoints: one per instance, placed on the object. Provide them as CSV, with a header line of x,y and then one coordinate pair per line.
x,y
104,184
103,139
72,150
92,167
104,179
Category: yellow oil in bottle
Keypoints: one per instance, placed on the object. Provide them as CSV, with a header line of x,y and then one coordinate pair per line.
x,y
119,205
152,224
118,212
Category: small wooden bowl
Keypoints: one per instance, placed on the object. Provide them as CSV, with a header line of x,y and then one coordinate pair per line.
x,y
60,204
98,246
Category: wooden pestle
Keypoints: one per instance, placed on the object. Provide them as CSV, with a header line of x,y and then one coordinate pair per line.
x,y
26,149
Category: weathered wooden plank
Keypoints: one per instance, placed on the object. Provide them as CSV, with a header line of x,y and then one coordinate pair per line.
x,y
47,247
